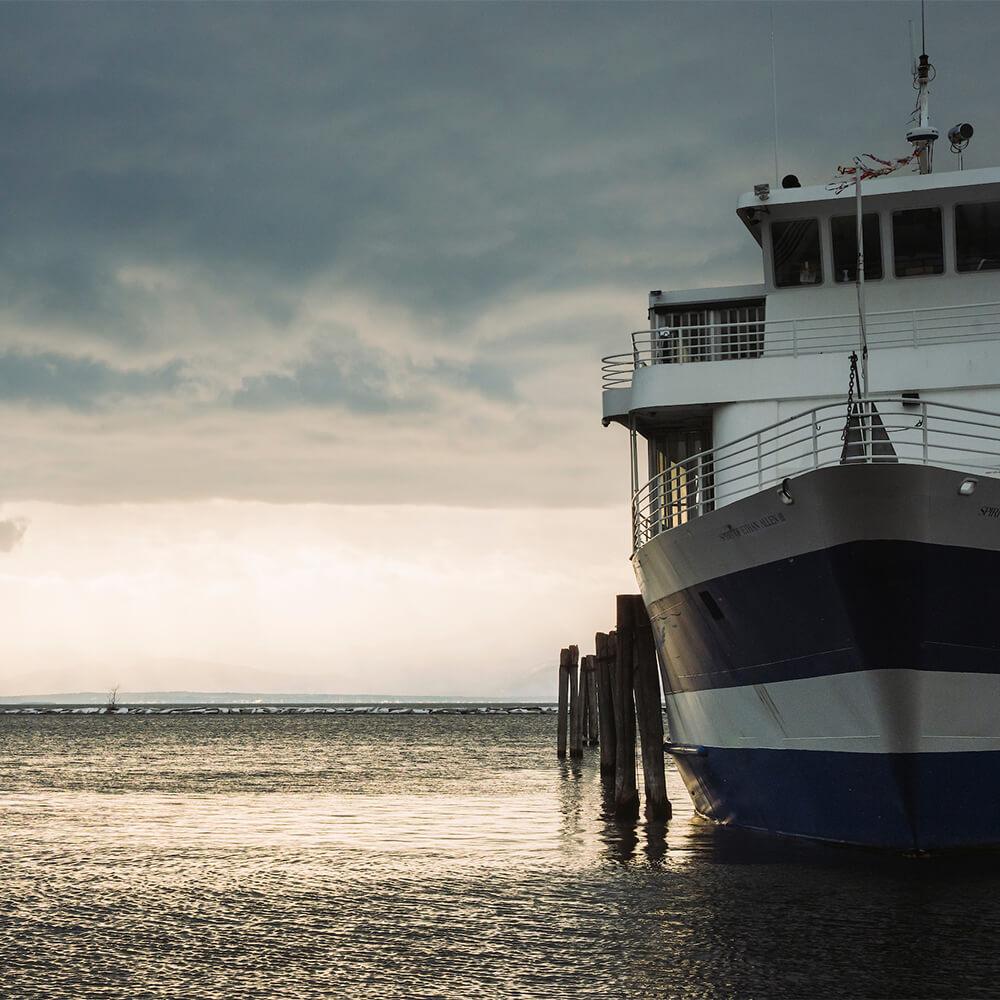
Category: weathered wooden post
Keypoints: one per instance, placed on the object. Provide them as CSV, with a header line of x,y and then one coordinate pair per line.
x,y
563,718
592,705
575,713
584,702
626,794
646,682
605,645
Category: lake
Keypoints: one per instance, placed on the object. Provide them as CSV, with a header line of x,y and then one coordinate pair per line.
x,y
301,856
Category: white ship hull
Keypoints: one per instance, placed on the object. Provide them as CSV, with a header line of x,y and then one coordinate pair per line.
x,y
833,664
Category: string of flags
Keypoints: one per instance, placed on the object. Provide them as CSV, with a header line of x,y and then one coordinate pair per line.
x,y
870,165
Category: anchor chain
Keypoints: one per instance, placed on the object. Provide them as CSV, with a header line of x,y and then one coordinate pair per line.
x,y
852,384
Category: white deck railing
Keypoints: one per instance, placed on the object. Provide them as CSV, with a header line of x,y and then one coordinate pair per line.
x,y
904,430
792,337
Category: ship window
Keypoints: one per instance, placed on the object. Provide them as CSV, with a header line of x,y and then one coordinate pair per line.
x,y
844,230
684,335
681,486
795,249
977,236
916,242
714,332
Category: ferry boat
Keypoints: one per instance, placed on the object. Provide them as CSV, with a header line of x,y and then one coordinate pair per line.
x,y
817,536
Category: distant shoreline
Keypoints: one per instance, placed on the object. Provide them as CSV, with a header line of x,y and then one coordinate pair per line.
x,y
414,708
262,698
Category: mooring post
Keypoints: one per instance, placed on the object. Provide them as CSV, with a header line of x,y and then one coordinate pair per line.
x,y
646,682
592,705
584,702
605,645
563,719
575,713
626,794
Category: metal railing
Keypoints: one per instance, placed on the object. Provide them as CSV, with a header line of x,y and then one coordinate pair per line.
x,y
882,430
792,337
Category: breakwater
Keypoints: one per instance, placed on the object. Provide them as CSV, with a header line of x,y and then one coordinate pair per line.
x,y
278,710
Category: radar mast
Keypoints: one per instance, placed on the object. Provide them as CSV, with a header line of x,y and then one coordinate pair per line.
x,y
923,135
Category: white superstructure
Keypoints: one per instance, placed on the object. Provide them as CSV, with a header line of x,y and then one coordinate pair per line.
x,y
732,360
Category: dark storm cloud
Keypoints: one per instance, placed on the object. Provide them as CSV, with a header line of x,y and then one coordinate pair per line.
x,y
349,377
462,204
491,380
442,154
364,381
327,379
50,379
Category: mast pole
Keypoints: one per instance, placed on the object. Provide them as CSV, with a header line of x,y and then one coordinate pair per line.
x,y
862,323
774,99
863,333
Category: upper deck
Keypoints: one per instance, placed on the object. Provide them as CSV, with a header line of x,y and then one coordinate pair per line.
x,y
932,282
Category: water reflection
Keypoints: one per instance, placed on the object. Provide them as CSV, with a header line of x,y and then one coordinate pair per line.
x,y
655,847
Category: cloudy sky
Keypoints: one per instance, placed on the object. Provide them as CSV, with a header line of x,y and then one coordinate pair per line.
x,y
303,307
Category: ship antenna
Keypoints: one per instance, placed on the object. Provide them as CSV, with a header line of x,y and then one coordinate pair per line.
x,y
774,99
923,135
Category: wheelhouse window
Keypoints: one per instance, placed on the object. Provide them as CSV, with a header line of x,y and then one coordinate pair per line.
x,y
843,229
977,237
916,242
795,249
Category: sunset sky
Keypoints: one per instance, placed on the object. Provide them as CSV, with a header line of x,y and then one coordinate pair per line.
x,y
303,309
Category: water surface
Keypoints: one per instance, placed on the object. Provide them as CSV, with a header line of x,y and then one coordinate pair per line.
x,y
430,856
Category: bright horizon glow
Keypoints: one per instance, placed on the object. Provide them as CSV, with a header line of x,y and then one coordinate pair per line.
x,y
307,598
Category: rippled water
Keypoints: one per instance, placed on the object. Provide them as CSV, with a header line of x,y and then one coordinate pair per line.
x,y
430,856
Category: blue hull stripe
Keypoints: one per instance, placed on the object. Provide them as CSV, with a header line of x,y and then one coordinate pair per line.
x,y
861,605
905,802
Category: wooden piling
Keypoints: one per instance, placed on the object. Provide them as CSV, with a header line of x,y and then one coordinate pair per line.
x,y
575,713
584,701
626,804
592,705
563,718
605,645
649,714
